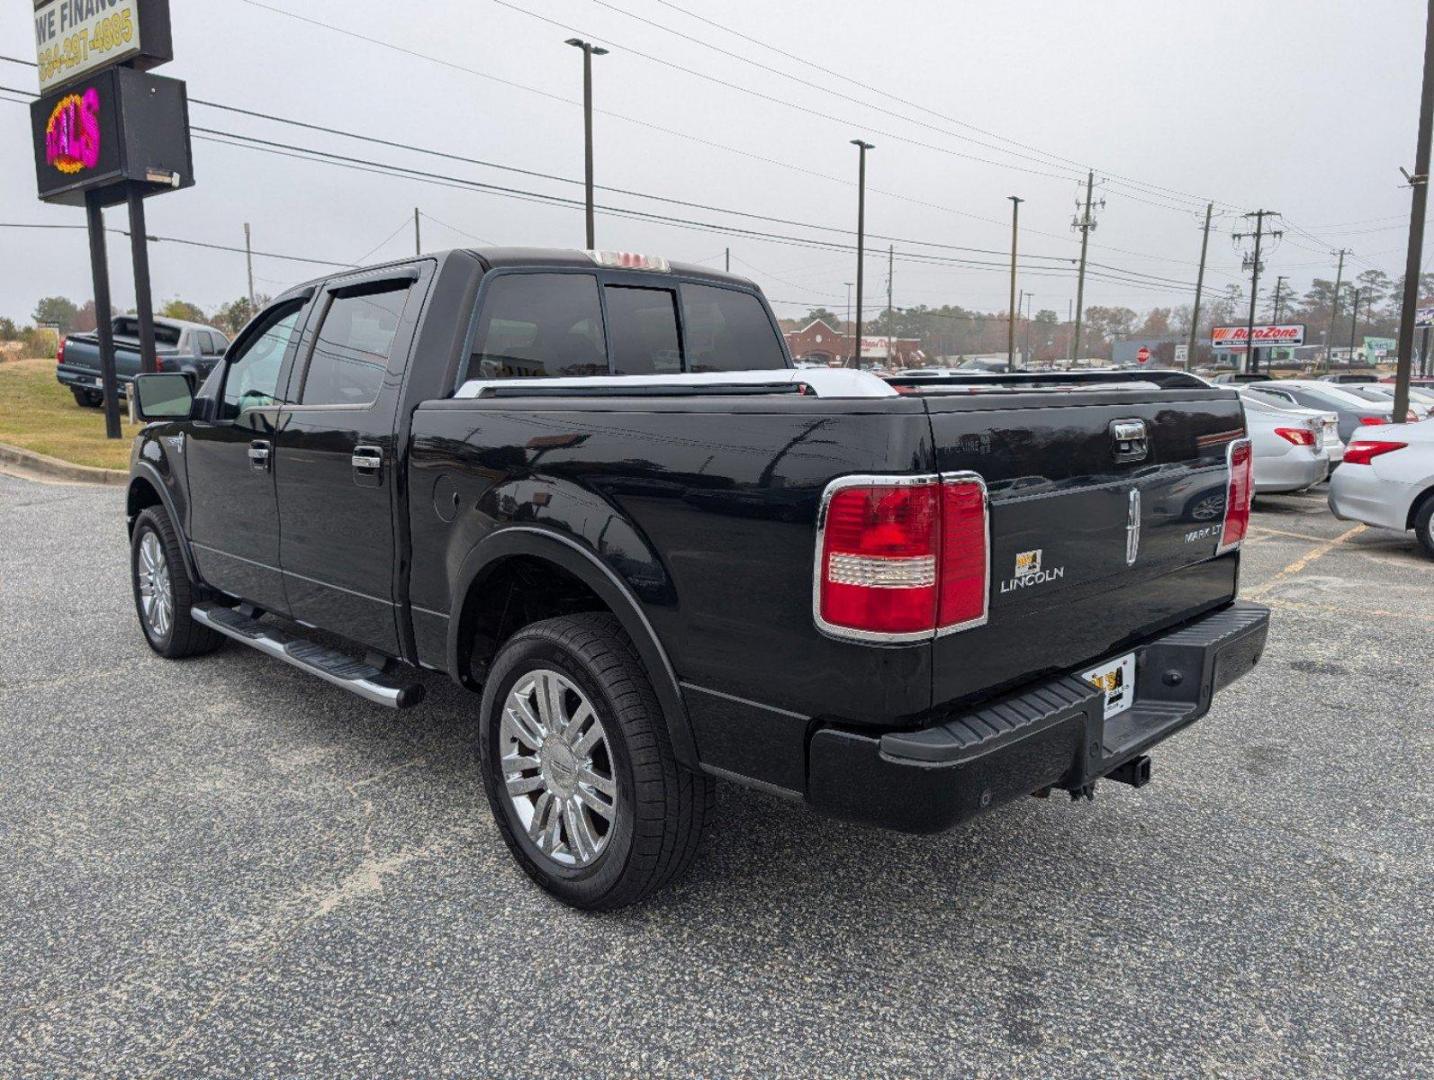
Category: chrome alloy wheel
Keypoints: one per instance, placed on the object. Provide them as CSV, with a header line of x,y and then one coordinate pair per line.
x,y
156,591
557,768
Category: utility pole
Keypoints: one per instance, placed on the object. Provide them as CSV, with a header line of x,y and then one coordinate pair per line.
x,y
417,239
847,328
1420,183
1016,201
1279,287
1070,343
1353,325
589,51
1199,287
1252,359
1334,307
1085,223
890,310
249,262
862,148
727,264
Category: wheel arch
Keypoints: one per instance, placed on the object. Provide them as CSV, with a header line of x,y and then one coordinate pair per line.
x,y
1418,503
147,488
573,558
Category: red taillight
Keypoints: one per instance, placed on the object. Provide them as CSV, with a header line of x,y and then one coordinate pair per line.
x,y
1297,435
1241,490
1373,421
965,553
60,352
900,559
1364,451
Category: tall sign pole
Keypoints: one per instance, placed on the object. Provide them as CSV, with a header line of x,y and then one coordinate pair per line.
x,y
104,330
143,302
104,132
1334,306
1420,183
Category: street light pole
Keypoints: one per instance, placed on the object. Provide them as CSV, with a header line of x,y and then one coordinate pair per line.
x,y
862,148
1016,201
589,51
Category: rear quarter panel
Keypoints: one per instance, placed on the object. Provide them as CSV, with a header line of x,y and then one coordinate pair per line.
x,y
706,510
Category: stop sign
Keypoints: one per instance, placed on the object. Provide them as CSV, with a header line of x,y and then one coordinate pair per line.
x,y
1143,355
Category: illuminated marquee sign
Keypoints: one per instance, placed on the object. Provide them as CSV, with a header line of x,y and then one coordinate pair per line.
x,y
119,126
1234,337
72,134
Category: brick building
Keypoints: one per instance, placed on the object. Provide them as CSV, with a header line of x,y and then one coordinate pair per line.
x,y
823,344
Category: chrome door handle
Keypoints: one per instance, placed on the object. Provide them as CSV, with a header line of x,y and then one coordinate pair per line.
x,y
367,458
259,455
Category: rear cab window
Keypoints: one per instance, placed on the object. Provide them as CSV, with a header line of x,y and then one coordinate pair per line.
x,y
538,324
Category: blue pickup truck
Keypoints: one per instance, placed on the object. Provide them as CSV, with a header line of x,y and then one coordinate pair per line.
x,y
179,346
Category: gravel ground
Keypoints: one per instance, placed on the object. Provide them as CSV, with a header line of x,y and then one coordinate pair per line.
x,y
221,867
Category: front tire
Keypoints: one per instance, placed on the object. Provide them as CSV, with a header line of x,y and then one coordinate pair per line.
x,y
579,769
163,593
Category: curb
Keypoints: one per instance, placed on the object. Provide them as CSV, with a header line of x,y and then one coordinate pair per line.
x,y
55,469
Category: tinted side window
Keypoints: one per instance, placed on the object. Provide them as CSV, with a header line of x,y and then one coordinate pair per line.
x,y
725,330
535,325
354,344
643,327
207,346
251,378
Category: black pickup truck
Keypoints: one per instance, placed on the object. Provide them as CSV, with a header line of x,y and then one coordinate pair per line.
x,y
592,488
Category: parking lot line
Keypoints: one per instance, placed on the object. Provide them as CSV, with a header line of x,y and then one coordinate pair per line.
x,y
1303,562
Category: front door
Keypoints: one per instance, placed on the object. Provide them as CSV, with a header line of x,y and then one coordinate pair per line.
x,y
233,512
337,459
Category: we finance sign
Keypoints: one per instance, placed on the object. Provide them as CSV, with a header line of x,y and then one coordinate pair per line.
x,y
1238,337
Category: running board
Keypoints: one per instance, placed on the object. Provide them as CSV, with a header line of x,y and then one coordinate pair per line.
x,y
359,677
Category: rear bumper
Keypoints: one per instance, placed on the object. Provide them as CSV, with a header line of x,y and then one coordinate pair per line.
x,y
87,378
1358,493
1294,471
1051,734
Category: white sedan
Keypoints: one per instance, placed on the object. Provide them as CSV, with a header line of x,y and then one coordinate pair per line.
x,y
1387,480
1289,445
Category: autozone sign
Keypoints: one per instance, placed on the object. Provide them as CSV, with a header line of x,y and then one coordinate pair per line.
x,y
1237,337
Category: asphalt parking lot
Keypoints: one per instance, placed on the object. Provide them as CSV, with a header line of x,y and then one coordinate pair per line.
x,y
221,867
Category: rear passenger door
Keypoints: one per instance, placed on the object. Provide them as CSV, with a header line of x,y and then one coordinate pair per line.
x,y
337,460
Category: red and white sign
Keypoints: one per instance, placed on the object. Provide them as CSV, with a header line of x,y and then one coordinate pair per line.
x,y
1143,356
1235,337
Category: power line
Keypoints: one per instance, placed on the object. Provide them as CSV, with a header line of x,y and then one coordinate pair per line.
x,y
181,240
787,54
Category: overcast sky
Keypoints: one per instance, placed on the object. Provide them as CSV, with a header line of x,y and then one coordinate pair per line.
x,y
1304,107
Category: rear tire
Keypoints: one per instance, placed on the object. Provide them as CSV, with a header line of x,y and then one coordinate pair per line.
x,y
86,399
163,593
579,768
1424,525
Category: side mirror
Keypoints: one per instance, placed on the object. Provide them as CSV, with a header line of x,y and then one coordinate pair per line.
x,y
164,395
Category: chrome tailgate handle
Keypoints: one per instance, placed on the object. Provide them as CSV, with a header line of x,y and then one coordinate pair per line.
x,y
1132,442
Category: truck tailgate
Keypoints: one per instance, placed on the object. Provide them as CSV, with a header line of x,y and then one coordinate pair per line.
x,y
1095,541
